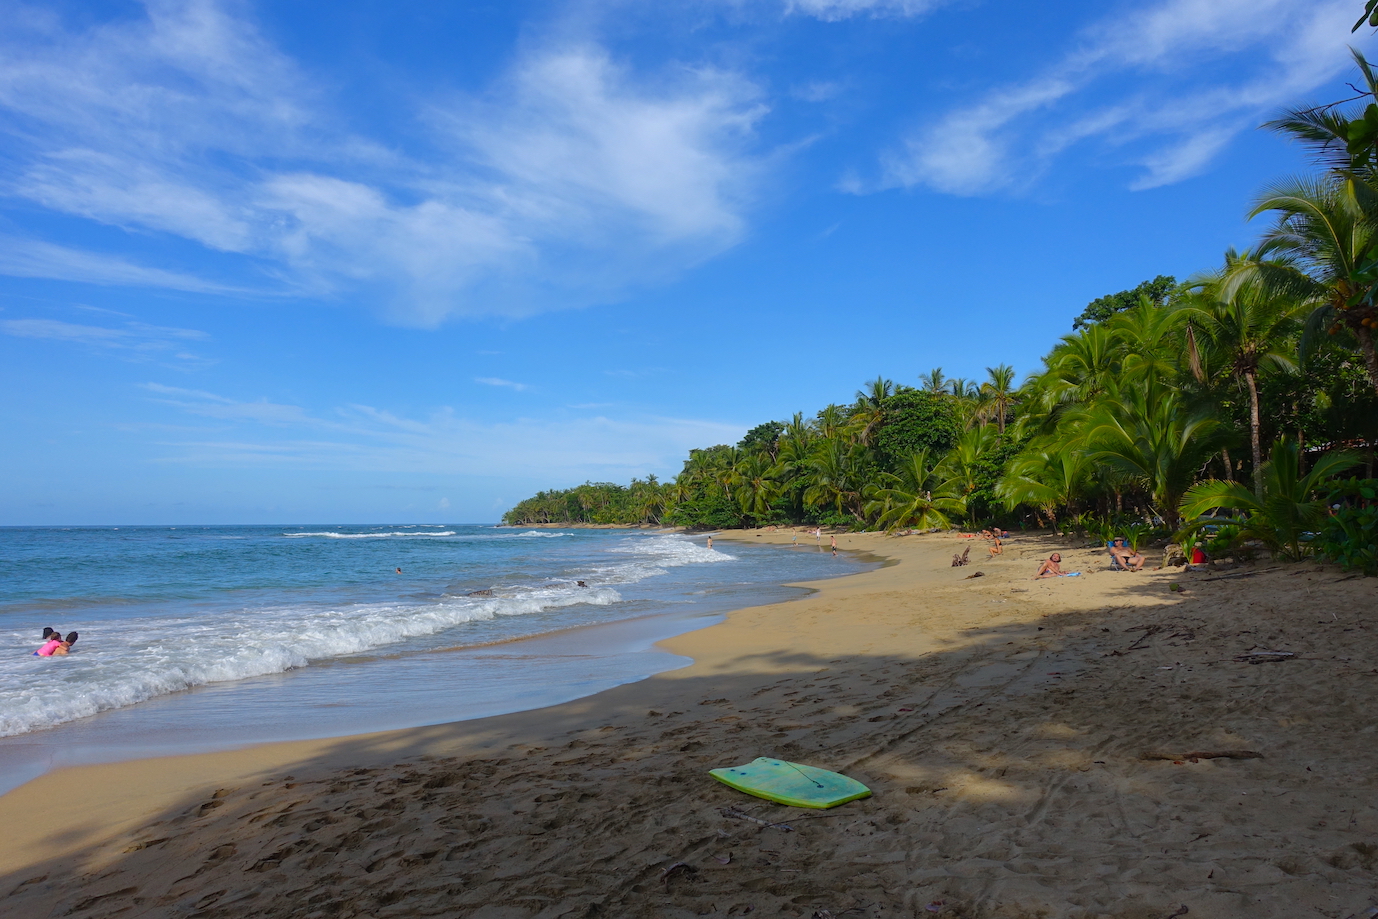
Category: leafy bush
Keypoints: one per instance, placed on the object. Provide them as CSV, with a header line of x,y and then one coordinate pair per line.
x,y
712,511
1289,510
916,421
1350,535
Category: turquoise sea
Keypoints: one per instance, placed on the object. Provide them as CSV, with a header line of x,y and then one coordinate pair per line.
x,y
198,638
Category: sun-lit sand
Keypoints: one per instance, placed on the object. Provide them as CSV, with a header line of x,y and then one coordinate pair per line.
x,y
1002,723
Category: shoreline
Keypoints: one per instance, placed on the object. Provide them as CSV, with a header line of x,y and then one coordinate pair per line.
x,y
1000,722
576,661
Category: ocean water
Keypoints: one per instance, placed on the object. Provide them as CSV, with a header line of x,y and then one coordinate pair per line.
x,y
205,637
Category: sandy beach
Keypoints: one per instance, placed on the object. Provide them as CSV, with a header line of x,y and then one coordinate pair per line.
x,y
1030,746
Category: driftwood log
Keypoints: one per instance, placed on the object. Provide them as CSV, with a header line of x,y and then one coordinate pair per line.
x,y
1196,755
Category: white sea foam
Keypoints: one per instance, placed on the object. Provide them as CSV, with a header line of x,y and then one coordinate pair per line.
x,y
371,535
673,551
133,660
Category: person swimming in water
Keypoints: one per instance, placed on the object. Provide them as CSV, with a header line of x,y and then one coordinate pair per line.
x,y
55,644
49,646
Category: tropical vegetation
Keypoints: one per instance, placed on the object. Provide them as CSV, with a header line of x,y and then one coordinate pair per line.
x,y
1247,392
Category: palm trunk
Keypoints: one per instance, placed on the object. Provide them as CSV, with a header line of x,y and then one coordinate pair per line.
x,y
1252,380
1370,358
1229,469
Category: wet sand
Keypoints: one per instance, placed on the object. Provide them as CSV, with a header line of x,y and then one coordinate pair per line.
x,y
1001,722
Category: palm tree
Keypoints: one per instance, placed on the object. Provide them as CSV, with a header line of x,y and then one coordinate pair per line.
x,y
997,396
868,414
753,486
913,496
1151,436
962,465
831,421
1250,325
934,382
1323,246
1287,506
1337,137
1049,477
1149,341
831,477
963,388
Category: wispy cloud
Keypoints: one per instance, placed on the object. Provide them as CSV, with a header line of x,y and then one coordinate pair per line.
x,y
834,10
1172,120
498,381
132,340
261,432
29,258
188,122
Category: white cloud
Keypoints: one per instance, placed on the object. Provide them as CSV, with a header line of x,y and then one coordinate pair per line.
x,y
1174,116
834,10
498,381
571,168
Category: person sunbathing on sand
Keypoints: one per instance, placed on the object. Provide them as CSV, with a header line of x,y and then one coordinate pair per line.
x,y
1132,559
1052,568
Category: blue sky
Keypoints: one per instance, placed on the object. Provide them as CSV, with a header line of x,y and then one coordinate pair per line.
x,y
358,262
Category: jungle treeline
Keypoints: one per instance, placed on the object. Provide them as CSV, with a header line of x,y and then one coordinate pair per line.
x,y
1248,390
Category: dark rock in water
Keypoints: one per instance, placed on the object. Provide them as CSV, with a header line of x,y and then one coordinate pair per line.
x,y
480,593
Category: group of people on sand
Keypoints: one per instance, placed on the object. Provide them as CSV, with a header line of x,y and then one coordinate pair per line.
x,y
54,644
1122,558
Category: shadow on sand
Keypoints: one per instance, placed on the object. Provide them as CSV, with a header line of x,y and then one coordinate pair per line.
x,y
1007,771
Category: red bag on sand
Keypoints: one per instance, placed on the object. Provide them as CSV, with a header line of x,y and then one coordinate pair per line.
x,y
1197,556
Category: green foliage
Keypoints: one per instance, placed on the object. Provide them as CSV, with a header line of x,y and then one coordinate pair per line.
x,y
916,421
714,511
1288,510
917,495
762,437
1158,291
1349,535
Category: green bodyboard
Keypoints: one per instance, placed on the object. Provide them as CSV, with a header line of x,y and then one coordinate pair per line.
x,y
791,783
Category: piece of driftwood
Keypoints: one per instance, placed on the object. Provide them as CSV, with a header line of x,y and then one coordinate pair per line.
x,y
974,574
1196,755
1264,657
